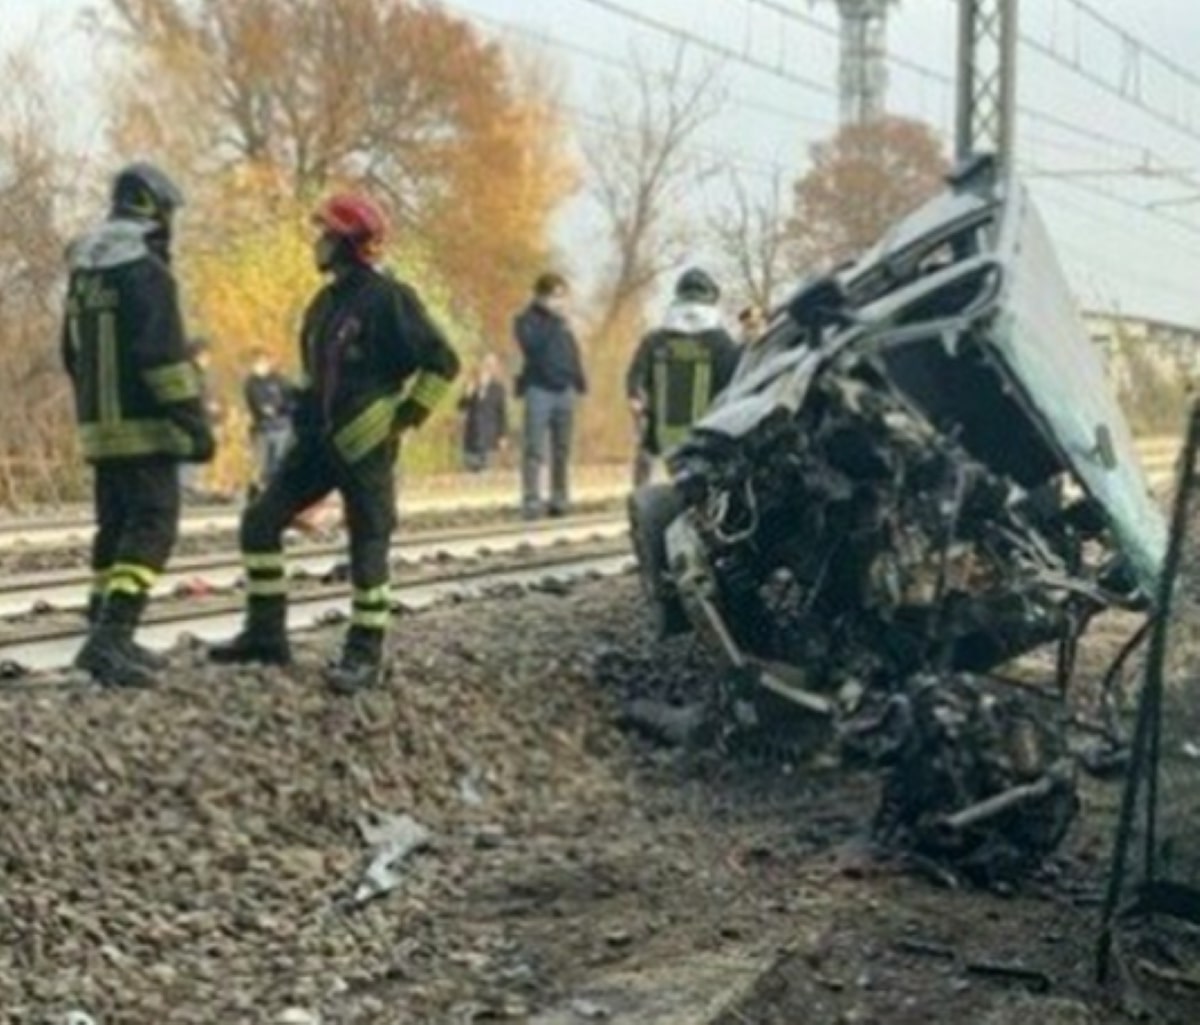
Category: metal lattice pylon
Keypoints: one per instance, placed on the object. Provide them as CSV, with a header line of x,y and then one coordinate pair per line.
x,y
987,50
862,74
1155,872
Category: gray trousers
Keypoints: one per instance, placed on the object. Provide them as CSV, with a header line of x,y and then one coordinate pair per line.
x,y
547,414
270,446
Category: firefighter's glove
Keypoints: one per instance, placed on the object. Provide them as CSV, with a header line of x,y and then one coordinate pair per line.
x,y
410,414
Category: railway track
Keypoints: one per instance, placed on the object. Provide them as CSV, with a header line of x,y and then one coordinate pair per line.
x,y
549,560
54,532
443,496
68,589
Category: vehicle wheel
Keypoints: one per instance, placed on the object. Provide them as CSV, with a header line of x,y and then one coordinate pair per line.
x,y
652,508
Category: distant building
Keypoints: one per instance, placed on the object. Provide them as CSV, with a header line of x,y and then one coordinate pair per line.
x,y
1127,341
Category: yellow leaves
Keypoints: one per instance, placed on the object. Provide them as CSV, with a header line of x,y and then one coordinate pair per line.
x,y
247,281
861,181
507,178
261,106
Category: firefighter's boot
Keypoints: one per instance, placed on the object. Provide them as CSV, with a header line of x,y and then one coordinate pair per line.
x,y
263,640
362,663
152,660
109,654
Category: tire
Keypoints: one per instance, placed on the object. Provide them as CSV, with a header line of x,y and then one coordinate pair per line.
x,y
652,508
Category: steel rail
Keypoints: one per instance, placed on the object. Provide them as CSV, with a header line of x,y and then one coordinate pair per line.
x,y
54,648
68,589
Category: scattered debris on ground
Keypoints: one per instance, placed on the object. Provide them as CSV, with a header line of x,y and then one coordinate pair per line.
x,y
185,855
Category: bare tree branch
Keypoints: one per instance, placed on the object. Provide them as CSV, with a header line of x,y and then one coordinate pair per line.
x,y
751,233
640,164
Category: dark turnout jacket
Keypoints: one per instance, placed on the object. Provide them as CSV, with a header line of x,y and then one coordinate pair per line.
x,y
678,369
551,353
368,345
137,393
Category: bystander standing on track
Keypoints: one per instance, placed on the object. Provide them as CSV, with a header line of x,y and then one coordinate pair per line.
x,y
374,365
140,409
550,379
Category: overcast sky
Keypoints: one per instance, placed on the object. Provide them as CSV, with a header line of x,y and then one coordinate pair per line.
x,y
1118,254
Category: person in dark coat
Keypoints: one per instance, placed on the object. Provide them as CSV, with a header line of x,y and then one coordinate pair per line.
x,y
551,378
269,396
484,406
678,369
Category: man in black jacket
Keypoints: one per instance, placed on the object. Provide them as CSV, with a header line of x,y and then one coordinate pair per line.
x,y
269,401
551,376
678,369
374,366
139,410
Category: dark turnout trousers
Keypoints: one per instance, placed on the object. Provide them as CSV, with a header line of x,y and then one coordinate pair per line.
x,y
311,470
137,504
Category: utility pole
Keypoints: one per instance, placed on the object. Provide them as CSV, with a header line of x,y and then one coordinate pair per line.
x,y
862,72
987,78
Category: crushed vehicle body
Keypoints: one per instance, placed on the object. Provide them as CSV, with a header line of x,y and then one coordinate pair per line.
x,y
917,475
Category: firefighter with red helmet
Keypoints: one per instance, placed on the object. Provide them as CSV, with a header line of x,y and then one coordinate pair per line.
x,y
374,366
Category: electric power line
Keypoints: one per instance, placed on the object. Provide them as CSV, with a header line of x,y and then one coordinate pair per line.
x,y
1126,82
778,70
622,63
1149,211
717,49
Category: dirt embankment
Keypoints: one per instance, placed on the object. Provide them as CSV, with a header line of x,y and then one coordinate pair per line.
x,y
186,855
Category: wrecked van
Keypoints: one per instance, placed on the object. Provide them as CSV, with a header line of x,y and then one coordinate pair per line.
x,y
918,475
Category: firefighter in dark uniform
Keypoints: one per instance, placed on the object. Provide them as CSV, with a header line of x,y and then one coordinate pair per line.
x,y
139,409
678,369
374,366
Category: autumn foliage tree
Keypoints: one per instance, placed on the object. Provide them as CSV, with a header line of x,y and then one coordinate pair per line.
x,y
402,97
36,436
254,288
861,181
643,164
751,235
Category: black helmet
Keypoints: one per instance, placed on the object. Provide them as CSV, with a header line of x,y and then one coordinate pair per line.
x,y
697,286
144,191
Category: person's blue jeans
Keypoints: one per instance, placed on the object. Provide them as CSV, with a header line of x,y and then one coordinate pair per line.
x,y
549,416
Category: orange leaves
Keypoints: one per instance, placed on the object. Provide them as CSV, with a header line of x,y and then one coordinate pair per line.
x,y
401,96
861,181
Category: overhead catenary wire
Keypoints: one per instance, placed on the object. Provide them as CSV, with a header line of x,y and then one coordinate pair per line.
x,y
808,21
1058,131
717,49
943,79
1124,83
621,63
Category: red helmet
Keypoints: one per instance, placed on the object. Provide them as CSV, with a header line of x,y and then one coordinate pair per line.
x,y
355,218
